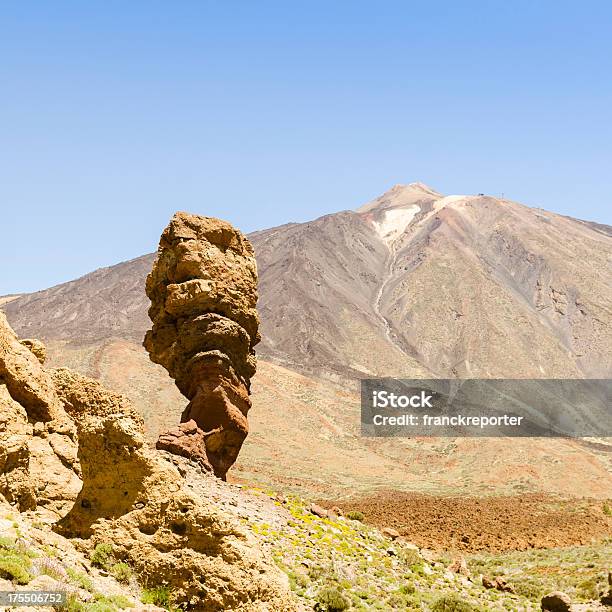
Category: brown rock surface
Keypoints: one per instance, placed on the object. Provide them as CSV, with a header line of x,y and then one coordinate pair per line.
x,y
38,457
203,291
186,440
557,602
37,348
128,496
496,523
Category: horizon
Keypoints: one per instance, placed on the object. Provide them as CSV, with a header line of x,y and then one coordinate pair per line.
x,y
116,116
153,251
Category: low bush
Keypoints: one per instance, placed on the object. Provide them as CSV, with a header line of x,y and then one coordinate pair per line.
x,y
121,572
102,556
452,603
332,600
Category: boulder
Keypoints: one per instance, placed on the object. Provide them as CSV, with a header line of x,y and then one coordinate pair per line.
x,y
556,602
318,511
37,348
390,533
203,292
38,448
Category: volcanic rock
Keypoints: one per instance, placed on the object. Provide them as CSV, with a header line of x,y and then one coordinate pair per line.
x,y
318,511
75,451
38,449
203,292
186,440
390,533
37,348
556,602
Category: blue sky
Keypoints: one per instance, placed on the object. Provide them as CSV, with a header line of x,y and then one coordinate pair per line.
x,y
115,114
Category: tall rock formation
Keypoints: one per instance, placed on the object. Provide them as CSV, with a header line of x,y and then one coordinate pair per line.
x,y
203,291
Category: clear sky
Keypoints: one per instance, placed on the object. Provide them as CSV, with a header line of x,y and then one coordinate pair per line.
x,y
115,114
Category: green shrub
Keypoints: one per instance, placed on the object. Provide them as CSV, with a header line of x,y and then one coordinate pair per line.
x,y
333,600
73,604
83,581
588,589
316,571
121,572
409,556
452,603
7,543
355,515
159,596
100,606
102,555
14,566
530,588
407,589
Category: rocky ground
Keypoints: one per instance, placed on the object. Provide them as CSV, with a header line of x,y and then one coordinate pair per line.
x,y
493,523
332,560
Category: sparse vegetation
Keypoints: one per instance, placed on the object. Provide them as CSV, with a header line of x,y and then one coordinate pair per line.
x,y
14,564
79,579
159,596
332,600
355,515
324,556
452,603
102,556
121,572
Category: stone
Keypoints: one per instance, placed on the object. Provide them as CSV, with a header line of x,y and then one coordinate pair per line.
x,y
487,583
186,440
502,585
25,379
38,456
318,510
390,533
556,602
203,292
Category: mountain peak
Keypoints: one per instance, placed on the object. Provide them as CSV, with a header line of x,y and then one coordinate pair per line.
x,y
400,196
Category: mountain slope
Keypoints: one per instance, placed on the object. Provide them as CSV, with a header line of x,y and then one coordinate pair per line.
x,y
412,284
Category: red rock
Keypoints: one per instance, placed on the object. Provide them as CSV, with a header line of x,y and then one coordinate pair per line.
x,y
390,533
186,440
487,583
318,511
